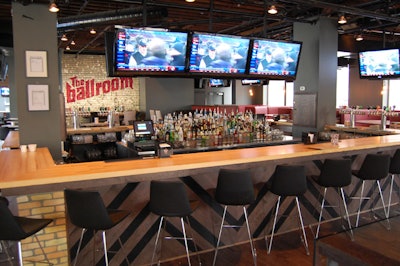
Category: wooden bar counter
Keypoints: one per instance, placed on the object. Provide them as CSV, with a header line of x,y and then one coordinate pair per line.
x,y
125,184
37,172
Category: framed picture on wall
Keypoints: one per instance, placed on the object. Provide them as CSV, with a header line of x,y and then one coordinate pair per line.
x,y
36,64
38,97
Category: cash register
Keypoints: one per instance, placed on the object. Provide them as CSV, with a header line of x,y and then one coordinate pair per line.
x,y
144,144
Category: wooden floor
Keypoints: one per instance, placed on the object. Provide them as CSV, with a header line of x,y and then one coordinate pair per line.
x,y
287,249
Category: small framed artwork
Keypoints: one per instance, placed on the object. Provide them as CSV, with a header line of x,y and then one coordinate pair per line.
x,y
36,64
38,97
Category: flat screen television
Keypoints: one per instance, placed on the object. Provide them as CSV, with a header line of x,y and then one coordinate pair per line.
x,y
218,83
274,59
5,91
218,55
379,64
149,51
251,81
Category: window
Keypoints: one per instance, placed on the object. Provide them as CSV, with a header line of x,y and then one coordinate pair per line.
x,y
342,87
394,93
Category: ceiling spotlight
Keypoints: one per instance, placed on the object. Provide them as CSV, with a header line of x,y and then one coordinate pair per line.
x,y
272,10
53,7
92,31
359,38
64,38
342,20
72,42
67,48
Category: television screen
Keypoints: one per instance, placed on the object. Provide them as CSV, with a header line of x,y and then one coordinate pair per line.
x,y
379,64
273,58
150,50
5,92
251,81
218,83
218,54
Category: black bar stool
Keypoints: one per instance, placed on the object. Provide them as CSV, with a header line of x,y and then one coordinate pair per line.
x,y
374,168
170,199
235,188
86,210
335,173
394,170
288,180
16,228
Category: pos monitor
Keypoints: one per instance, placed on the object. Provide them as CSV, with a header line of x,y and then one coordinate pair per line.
x,y
143,129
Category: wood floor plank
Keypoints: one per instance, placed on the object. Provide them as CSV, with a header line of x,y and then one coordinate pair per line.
x,y
287,249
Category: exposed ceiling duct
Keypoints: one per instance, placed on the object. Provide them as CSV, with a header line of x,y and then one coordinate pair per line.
x,y
107,17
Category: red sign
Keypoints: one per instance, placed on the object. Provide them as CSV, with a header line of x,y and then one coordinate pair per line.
x,y
80,89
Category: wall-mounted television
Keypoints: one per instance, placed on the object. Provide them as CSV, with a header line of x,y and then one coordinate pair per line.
x,y
218,83
379,64
251,81
274,59
149,51
215,54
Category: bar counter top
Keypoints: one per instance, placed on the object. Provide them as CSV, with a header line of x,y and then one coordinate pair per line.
x,y
22,172
363,130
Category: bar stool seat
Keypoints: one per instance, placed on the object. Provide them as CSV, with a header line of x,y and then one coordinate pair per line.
x,y
235,188
374,168
394,170
86,210
288,181
16,228
335,173
169,199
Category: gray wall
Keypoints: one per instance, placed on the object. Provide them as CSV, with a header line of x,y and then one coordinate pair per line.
x,y
166,94
41,127
364,92
243,97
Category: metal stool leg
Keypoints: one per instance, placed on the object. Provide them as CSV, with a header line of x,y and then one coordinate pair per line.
x,y
302,227
21,263
79,245
219,235
273,226
390,193
184,237
192,237
105,247
157,238
347,213
359,206
385,208
320,213
253,250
